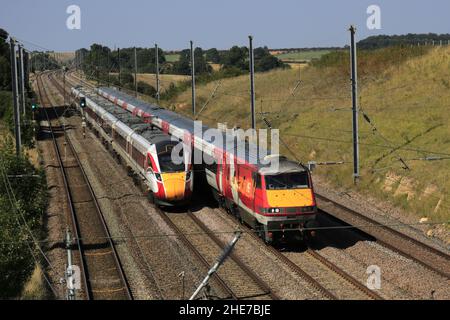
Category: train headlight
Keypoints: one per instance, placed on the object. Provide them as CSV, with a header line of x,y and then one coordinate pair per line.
x,y
274,210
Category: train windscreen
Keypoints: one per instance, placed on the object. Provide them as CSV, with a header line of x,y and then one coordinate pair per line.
x,y
295,180
167,165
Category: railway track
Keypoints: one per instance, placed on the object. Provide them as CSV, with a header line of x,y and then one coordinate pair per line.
x,y
322,274
423,254
234,279
102,273
394,240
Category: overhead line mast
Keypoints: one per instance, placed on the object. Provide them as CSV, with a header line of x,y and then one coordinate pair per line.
x,y
252,81
193,76
354,80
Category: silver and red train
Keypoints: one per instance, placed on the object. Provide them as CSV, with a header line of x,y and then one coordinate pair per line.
x,y
277,202
145,149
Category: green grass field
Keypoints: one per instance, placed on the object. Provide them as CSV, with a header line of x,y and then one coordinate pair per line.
x,y
405,95
172,57
302,56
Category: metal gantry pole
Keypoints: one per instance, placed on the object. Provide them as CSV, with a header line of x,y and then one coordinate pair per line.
x,y
107,68
118,63
64,84
157,71
27,59
135,71
15,90
193,76
31,63
252,81
354,80
22,79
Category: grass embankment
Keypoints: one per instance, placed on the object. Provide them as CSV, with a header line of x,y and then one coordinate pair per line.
x,y
405,92
165,79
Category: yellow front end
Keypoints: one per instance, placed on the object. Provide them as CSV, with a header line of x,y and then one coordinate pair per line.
x,y
290,198
174,185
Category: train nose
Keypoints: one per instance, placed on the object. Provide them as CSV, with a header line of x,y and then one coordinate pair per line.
x,y
175,185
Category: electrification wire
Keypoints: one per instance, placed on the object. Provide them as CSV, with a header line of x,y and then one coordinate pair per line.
x,y
423,151
217,232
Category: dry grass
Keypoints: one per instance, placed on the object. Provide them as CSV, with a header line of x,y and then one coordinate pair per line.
x,y
407,102
297,66
215,66
164,79
35,288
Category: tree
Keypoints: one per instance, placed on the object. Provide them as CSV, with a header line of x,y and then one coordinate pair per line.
x,y
127,80
5,68
3,34
264,61
145,88
183,65
201,66
43,61
212,55
236,57
26,207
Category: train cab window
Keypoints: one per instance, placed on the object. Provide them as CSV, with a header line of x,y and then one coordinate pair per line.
x,y
167,165
295,180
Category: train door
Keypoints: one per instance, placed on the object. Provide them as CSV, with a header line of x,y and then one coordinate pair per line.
x,y
258,193
225,174
220,172
246,187
233,180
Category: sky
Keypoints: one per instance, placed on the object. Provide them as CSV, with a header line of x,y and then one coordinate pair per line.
x,y
212,23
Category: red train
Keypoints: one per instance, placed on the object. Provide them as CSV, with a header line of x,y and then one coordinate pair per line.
x,y
277,201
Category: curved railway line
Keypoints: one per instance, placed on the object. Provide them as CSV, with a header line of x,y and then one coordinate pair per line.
x,y
236,281
101,271
425,255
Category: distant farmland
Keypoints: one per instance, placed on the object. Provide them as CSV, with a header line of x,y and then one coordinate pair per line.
x,y
302,55
172,57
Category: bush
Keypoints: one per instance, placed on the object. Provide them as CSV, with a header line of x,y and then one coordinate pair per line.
x,y
146,89
21,212
26,125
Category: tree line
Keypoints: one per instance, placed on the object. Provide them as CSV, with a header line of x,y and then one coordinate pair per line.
x,y
103,64
382,41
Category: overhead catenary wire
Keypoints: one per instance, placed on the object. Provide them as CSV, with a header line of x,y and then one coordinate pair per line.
x,y
386,146
218,232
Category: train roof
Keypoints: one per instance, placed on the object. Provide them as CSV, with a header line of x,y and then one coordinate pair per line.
x,y
134,124
252,154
